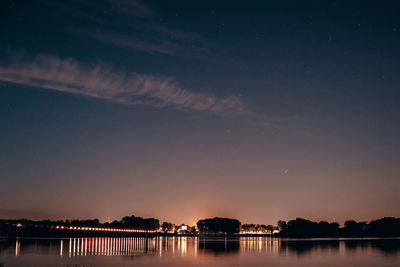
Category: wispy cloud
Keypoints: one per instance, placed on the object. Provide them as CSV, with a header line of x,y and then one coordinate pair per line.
x,y
137,27
133,8
150,46
104,82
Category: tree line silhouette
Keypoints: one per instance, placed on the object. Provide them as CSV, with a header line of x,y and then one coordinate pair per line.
x,y
298,228
384,227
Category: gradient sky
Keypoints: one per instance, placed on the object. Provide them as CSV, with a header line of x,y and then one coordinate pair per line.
x,y
181,110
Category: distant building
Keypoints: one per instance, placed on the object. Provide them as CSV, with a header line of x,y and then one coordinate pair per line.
x,y
185,229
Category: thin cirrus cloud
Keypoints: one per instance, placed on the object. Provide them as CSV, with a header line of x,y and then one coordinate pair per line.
x,y
138,27
103,82
162,40
149,46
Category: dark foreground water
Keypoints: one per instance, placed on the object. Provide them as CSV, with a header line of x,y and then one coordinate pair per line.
x,y
187,251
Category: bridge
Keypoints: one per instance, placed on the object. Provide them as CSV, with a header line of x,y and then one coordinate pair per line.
x,y
102,229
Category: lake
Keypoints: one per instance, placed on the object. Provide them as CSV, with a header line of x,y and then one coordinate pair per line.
x,y
185,251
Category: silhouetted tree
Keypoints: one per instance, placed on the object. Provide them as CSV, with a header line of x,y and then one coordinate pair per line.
x,y
282,225
166,226
305,228
387,226
353,228
217,225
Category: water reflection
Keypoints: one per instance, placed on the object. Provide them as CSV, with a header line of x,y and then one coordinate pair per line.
x,y
305,247
103,246
17,247
193,247
260,244
218,246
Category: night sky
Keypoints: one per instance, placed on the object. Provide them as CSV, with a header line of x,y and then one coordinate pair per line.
x,y
181,110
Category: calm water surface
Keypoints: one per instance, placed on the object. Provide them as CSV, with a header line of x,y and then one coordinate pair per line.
x,y
184,251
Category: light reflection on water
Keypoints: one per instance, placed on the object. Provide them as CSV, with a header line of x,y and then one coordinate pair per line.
x,y
173,251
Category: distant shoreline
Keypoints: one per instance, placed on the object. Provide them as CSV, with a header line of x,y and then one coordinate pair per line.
x,y
131,226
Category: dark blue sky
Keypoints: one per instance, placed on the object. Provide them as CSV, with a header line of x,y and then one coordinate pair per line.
x,y
258,110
